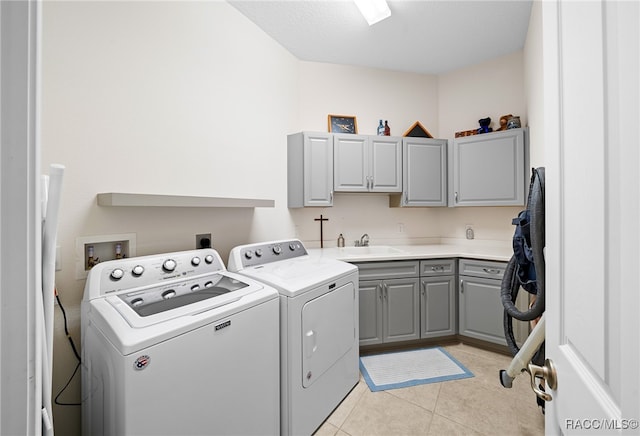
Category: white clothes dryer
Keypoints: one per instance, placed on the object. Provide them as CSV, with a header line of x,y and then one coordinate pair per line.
x,y
319,344
174,344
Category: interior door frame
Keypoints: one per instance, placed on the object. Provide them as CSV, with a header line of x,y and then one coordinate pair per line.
x,y
20,232
615,387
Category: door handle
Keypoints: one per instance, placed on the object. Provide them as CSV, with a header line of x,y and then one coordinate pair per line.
x,y
548,373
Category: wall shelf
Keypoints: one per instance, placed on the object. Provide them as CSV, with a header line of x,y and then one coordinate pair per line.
x,y
159,200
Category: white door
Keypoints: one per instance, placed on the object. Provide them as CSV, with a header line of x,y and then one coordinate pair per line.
x,y
591,52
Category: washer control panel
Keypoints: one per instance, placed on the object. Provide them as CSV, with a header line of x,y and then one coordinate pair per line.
x,y
136,272
267,252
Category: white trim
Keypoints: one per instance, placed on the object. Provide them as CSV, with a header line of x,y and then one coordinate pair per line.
x,y
20,225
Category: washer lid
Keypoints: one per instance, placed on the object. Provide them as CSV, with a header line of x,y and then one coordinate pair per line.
x,y
157,300
295,276
148,306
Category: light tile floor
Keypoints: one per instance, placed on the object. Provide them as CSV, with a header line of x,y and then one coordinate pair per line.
x,y
473,406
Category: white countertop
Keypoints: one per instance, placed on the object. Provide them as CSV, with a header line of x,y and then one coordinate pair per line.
x,y
477,250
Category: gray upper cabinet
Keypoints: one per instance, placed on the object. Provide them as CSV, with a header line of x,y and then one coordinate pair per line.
x,y
367,163
489,169
310,169
424,173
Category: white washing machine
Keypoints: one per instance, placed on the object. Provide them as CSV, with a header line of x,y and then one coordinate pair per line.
x,y
318,327
174,344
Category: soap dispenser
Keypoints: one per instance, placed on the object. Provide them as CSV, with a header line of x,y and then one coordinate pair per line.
x,y
340,240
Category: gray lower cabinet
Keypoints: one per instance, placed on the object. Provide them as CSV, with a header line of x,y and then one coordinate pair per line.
x,y
437,298
389,302
480,305
489,169
309,169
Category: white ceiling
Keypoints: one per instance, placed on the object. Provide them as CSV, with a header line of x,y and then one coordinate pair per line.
x,y
421,36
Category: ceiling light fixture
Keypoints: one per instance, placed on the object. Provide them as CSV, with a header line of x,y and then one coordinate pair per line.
x,y
373,10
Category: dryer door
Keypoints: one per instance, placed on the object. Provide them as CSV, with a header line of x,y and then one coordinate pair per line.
x,y
328,331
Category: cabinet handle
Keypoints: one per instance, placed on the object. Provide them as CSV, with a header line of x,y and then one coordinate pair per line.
x,y
406,198
331,196
424,288
491,270
379,290
437,268
456,196
461,287
386,290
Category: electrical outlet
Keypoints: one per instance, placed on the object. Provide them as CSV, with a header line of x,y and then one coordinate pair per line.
x,y
469,231
203,240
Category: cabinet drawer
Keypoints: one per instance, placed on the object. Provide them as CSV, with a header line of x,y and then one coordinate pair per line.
x,y
437,267
388,270
482,268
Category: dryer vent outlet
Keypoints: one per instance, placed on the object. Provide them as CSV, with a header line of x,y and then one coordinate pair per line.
x,y
203,240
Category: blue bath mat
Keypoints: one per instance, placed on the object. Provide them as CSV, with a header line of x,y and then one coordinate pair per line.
x,y
410,368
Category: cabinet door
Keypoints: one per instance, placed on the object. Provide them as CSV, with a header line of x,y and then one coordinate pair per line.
x,y
370,305
480,309
318,170
385,164
424,172
489,169
401,310
437,306
351,163
309,169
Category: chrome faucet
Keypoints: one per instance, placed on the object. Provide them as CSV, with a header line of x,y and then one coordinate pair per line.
x,y
364,240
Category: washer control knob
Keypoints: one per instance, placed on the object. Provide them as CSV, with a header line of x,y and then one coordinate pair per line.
x,y
169,265
195,261
208,258
209,284
293,246
259,252
168,294
117,274
248,254
137,302
195,287
277,249
137,270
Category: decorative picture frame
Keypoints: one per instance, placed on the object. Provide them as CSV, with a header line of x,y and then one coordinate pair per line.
x,y
342,124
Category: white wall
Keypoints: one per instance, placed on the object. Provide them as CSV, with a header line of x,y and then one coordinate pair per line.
x,y
192,98
160,97
490,89
533,85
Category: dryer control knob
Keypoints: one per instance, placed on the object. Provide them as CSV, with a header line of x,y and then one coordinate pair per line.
x,y
259,252
169,265
117,274
293,246
277,249
137,270
208,258
248,254
195,261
